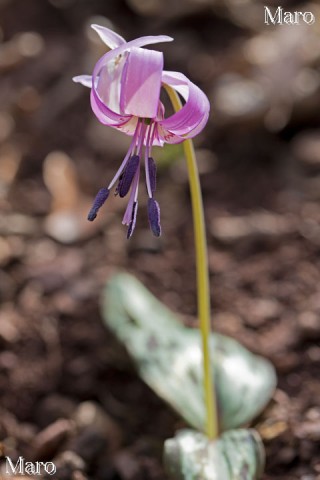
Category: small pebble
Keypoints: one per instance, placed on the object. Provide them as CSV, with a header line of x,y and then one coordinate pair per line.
x,y
51,439
91,417
309,325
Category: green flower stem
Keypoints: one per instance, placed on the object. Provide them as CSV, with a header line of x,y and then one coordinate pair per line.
x,y
202,275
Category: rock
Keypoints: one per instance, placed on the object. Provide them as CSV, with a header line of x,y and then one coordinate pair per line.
x,y
18,224
309,430
127,465
313,414
229,230
49,440
286,361
10,322
272,430
69,466
262,310
309,325
306,147
67,222
10,159
91,417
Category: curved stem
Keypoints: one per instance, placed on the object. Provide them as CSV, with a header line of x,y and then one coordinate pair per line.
x,y
203,292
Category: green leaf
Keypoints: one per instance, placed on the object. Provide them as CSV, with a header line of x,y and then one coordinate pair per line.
x,y
236,455
168,357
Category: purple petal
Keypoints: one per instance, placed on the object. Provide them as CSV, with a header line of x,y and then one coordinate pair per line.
x,y
193,116
143,41
133,220
110,38
85,80
102,111
101,197
128,175
104,114
154,216
141,83
152,169
196,107
108,84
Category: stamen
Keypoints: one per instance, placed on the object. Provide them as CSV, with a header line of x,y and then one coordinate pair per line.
x,y
152,170
128,175
141,138
116,192
146,159
101,197
126,158
133,220
154,216
133,198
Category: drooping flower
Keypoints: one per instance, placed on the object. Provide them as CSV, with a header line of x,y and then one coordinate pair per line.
x,y
125,94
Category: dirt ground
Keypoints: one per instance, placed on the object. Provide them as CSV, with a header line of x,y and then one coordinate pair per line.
x,y
68,392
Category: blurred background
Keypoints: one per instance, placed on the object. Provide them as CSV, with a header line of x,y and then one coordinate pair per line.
x,y
68,392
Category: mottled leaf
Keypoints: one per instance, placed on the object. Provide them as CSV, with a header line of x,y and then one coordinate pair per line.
x,y
168,357
236,455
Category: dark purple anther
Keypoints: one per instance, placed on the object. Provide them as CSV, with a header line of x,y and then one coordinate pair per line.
x,y
128,174
154,217
133,220
152,174
118,186
101,197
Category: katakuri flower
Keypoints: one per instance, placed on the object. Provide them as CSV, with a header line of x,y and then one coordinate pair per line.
x,y
125,94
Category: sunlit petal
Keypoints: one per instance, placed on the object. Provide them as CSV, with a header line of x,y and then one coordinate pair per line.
x,y
110,38
141,83
192,117
85,80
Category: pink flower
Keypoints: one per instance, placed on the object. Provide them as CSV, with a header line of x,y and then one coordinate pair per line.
x,y
125,94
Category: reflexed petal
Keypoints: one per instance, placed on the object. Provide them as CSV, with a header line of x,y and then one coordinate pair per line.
x,y
85,80
105,115
148,40
178,81
141,83
191,119
195,109
110,38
